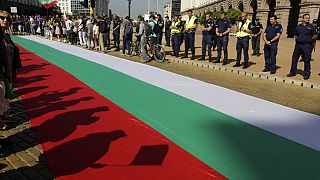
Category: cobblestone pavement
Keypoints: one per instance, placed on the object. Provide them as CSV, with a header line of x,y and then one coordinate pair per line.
x,y
23,159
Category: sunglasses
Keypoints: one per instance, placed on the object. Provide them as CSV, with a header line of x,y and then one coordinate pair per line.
x,y
3,18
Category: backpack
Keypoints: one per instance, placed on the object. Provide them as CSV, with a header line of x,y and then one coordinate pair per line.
x,y
156,28
148,29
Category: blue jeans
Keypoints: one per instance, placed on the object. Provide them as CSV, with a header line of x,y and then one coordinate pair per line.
x,y
222,42
127,44
270,55
243,44
305,50
206,42
116,37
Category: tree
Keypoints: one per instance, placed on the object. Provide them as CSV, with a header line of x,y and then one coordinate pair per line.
x,y
233,15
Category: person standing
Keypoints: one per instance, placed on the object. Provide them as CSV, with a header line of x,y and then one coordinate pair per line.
x,y
116,32
161,24
153,38
89,32
190,29
143,39
176,32
256,36
305,34
127,36
168,31
243,36
271,38
207,37
103,30
222,31
214,34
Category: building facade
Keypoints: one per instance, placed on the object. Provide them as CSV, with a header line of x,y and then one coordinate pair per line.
x,y
289,12
65,6
172,8
102,7
25,7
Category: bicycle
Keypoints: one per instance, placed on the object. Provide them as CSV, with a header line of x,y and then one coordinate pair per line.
x,y
159,52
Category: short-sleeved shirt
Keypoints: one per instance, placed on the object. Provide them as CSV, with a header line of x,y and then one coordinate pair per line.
x,y
223,25
272,31
304,33
256,27
207,24
116,23
167,25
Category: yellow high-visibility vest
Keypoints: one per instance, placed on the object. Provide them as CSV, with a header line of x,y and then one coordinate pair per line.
x,y
176,31
190,23
245,27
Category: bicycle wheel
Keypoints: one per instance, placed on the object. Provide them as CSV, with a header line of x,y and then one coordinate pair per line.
x,y
160,53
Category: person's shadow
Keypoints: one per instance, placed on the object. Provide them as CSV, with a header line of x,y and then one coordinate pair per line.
x,y
76,155
62,125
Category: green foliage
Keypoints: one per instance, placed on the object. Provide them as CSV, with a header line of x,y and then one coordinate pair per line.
x,y
215,14
233,15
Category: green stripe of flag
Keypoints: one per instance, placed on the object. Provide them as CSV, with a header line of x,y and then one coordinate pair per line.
x,y
230,146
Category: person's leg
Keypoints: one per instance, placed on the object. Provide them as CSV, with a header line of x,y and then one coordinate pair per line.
x,y
219,48
307,51
267,56
101,43
204,46
253,41
118,40
186,45
238,49
258,45
84,38
209,42
108,40
273,59
246,51
192,41
225,43
129,45
295,58
80,37
124,44
2,99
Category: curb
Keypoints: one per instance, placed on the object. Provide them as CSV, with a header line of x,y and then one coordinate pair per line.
x,y
257,75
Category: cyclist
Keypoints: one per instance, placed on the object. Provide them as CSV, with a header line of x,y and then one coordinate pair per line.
x,y
153,38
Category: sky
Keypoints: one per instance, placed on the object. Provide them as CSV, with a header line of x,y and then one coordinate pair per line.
x,y
138,7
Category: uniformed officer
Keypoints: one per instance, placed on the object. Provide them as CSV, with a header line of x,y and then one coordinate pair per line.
x,y
214,34
182,22
271,38
207,37
243,37
190,29
256,34
168,31
223,30
176,32
305,34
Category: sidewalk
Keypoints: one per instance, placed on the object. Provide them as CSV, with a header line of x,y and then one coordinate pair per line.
x,y
286,47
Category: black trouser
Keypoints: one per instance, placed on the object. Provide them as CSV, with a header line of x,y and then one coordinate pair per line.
x,y
214,41
243,44
160,34
256,44
168,36
304,50
189,43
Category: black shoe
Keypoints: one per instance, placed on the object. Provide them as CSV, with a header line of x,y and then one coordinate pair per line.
x,y
237,65
273,71
216,61
245,66
258,54
202,58
265,70
192,58
253,54
210,59
117,50
177,56
306,77
291,74
224,63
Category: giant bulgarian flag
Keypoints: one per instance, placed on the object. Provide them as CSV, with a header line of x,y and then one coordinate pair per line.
x,y
48,3
101,117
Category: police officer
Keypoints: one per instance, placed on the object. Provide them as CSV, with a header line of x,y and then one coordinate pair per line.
x,y
256,34
214,34
207,37
223,30
182,35
305,34
190,29
271,38
168,31
243,38
176,32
